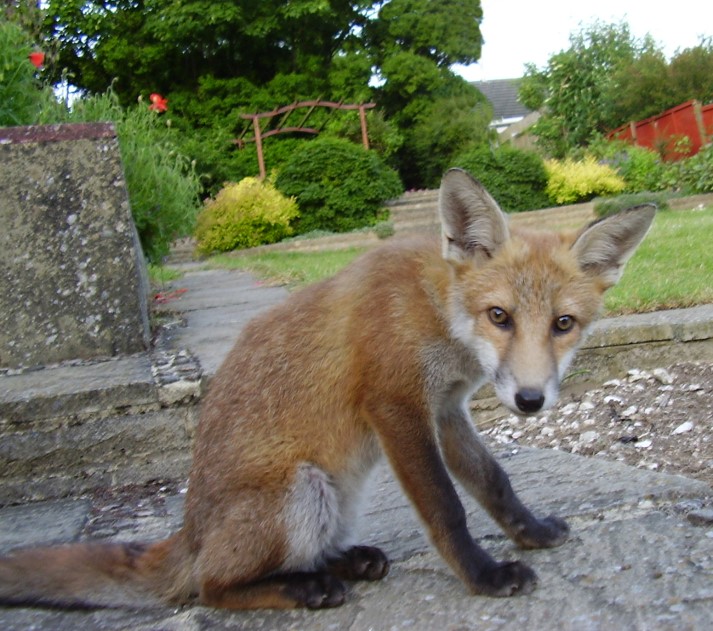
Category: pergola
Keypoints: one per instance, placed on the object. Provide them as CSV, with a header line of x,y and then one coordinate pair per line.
x,y
283,128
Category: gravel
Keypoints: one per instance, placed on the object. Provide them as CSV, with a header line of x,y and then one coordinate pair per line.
x,y
660,419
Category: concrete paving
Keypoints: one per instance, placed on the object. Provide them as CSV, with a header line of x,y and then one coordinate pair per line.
x,y
640,555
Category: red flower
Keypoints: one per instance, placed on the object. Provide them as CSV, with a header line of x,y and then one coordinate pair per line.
x,y
37,59
158,103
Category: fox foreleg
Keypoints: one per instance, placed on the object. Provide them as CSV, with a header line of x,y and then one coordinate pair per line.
x,y
417,463
471,462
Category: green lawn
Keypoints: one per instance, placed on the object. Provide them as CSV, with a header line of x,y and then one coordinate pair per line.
x,y
294,269
673,267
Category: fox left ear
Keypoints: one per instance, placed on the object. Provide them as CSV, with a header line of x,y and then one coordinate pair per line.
x,y
604,246
472,223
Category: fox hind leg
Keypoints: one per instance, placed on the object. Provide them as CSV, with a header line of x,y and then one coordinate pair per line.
x,y
313,590
285,558
359,563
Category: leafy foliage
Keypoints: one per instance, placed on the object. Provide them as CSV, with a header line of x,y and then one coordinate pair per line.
x,y
611,205
575,86
644,170
339,186
515,178
641,168
695,174
607,78
244,215
571,181
447,127
23,98
215,60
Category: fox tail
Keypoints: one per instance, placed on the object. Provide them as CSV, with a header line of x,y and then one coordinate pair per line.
x,y
97,575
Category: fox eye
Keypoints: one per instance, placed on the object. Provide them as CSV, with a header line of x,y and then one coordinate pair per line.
x,y
499,317
563,324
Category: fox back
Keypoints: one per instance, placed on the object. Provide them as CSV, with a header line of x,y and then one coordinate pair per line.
x,y
381,358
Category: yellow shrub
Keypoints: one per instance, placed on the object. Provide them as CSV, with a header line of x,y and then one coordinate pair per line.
x,y
570,181
244,215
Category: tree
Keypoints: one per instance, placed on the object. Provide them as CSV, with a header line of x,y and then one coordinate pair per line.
x,y
159,45
413,43
639,89
608,78
691,73
650,84
574,90
215,59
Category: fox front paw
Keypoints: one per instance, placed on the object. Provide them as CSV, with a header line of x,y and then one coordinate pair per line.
x,y
507,579
549,532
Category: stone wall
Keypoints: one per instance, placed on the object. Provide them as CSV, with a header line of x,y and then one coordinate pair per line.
x,y
72,278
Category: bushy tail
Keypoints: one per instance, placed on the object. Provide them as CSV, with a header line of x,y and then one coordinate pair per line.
x,y
97,575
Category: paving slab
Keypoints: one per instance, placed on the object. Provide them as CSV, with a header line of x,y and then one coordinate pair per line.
x,y
215,305
634,560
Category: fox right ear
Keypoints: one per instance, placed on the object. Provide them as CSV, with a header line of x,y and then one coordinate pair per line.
x,y
472,222
603,248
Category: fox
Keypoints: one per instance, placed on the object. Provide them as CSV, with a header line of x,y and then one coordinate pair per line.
x,y
381,359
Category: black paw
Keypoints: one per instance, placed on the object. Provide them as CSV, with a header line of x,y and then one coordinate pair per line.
x,y
507,579
360,563
316,591
549,532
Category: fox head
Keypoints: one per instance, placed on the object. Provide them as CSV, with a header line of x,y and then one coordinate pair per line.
x,y
522,301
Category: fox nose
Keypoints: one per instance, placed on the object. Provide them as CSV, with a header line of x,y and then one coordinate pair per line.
x,y
529,400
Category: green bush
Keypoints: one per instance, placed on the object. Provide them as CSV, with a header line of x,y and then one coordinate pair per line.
x,y
515,178
244,215
384,137
339,186
23,98
611,205
695,174
162,184
641,168
446,128
571,181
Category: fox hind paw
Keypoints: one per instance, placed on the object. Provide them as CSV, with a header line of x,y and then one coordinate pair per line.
x,y
316,590
507,579
360,563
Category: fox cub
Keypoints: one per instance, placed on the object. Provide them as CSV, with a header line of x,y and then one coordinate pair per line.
x,y
381,358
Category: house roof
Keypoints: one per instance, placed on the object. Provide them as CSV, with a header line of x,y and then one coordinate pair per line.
x,y
502,94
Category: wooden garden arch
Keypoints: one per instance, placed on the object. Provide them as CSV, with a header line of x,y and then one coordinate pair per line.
x,y
282,127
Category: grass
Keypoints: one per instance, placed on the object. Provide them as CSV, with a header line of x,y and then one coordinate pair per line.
x,y
672,268
160,275
294,269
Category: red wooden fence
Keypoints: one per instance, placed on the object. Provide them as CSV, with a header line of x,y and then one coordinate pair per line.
x,y
676,133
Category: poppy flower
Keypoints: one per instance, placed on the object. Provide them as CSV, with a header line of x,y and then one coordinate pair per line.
x,y
37,59
158,103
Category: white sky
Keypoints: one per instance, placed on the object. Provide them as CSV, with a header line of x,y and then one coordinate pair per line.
x,y
520,31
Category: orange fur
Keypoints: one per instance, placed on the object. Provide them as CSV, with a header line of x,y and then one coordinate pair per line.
x,y
382,357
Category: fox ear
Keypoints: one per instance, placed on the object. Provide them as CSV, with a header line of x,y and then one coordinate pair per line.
x,y
472,222
604,246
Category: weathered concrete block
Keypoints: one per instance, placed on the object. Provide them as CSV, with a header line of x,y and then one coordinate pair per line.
x,y
72,277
